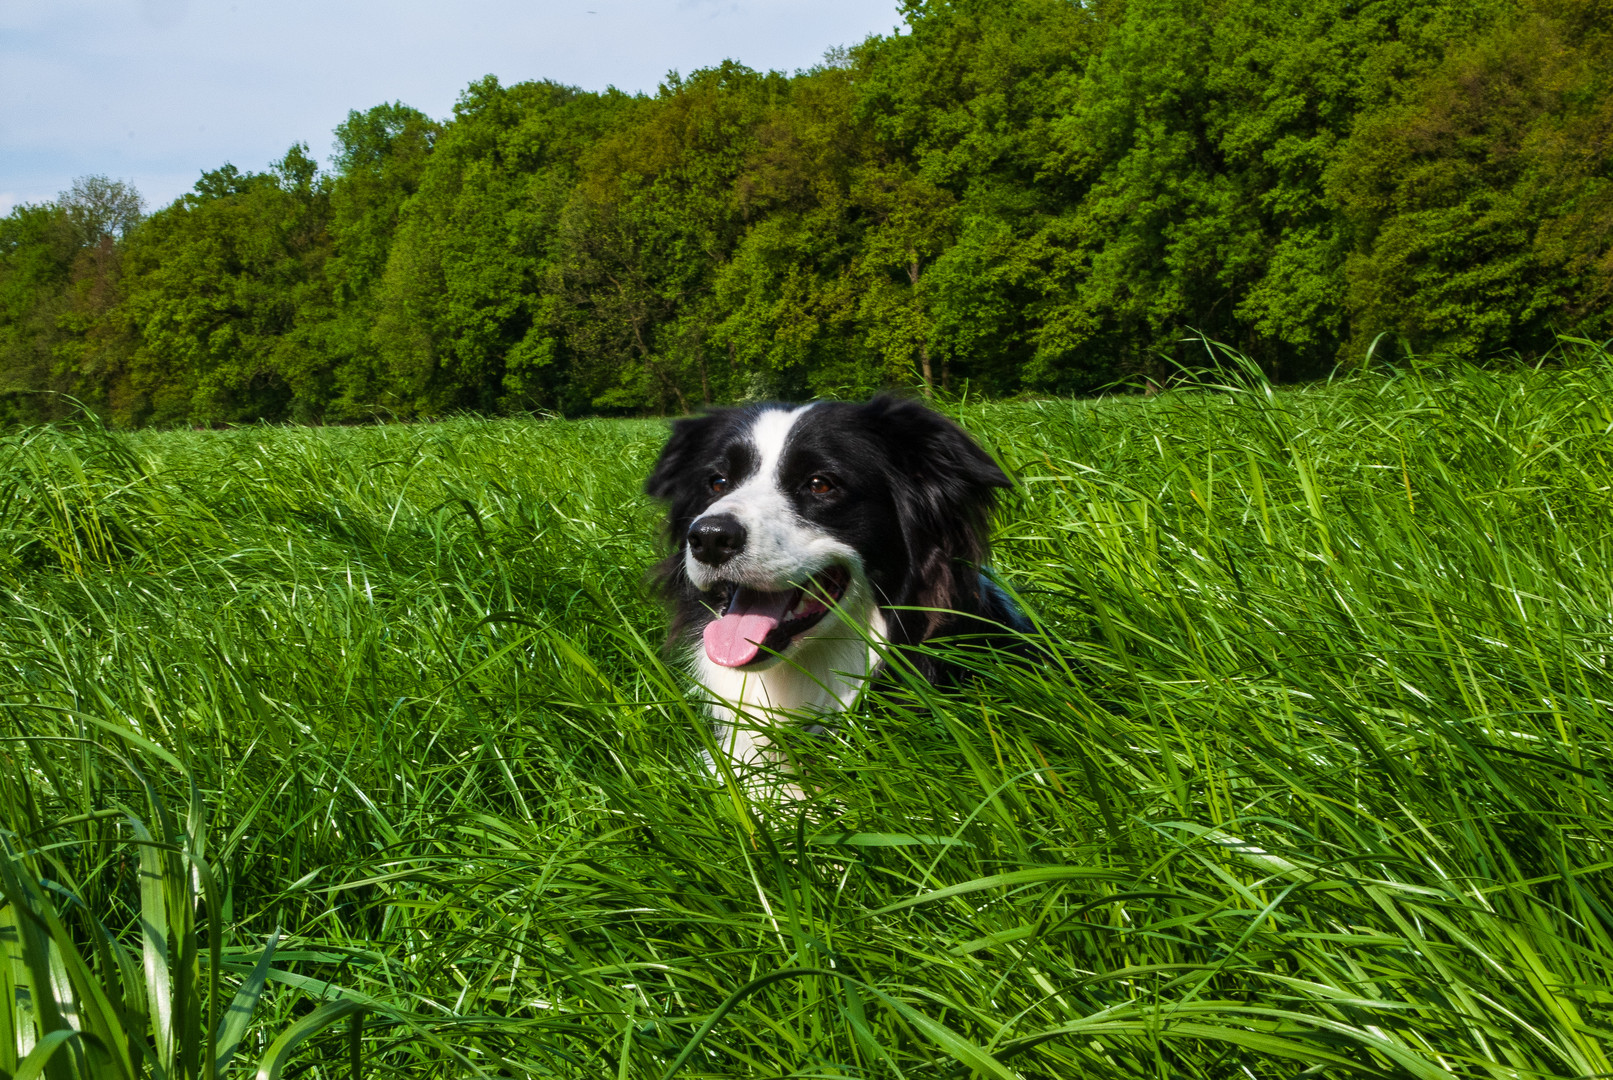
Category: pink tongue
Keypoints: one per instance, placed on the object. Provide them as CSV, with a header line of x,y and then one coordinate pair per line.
x,y
736,638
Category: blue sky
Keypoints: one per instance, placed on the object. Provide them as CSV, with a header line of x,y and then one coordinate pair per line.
x,y
155,91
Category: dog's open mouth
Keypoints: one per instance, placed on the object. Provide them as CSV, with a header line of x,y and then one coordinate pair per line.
x,y
756,619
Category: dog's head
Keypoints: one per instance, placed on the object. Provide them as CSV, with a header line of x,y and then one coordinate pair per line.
x,y
784,518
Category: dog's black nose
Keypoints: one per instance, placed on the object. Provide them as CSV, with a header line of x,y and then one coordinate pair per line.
x,y
716,538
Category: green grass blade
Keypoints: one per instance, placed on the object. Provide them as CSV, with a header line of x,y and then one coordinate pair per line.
x,y
239,1014
276,1057
154,931
33,1066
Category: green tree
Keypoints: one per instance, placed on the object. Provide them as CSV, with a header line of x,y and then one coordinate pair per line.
x,y
38,247
1011,194
1480,197
786,298
381,157
1199,143
468,316
226,292
656,214
60,273
966,109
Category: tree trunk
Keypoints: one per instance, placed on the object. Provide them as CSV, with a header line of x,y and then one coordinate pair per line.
x,y
913,271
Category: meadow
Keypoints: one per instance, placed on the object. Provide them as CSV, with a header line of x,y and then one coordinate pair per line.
x,y
335,752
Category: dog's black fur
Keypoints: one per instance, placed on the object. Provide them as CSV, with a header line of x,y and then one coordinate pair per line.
x,y
913,496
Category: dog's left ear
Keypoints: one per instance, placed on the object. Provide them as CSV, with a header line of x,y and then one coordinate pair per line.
x,y
932,447
946,489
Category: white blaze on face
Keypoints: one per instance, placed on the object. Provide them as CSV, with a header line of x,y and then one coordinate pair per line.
x,y
780,549
824,669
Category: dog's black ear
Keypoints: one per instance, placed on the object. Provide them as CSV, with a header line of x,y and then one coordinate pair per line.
x,y
931,447
946,489
688,447
674,480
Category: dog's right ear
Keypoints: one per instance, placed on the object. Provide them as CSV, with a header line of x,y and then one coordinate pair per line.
x,y
945,488
688,447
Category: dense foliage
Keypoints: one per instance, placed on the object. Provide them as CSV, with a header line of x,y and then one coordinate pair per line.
x,y
1010,195
304,726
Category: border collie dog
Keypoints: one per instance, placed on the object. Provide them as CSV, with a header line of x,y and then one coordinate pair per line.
x,y
809,542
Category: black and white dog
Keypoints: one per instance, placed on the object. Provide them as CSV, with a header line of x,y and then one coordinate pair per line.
x,y
808,541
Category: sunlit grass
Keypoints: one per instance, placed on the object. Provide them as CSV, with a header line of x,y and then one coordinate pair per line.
x,y
365,735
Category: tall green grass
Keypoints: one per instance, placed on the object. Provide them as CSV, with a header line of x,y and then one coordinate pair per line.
x,y
353,752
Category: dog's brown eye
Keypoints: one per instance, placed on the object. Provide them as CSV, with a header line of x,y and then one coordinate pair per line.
x,y
820,485
719,484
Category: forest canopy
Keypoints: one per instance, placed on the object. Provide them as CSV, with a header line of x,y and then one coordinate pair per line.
x,y
1009,196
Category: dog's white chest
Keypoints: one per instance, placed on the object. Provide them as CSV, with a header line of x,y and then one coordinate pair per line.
x,y
823,677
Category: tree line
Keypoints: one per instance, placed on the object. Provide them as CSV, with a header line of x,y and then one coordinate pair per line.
x,y
1008,196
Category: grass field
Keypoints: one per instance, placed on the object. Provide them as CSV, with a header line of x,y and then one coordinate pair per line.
x,y
352,752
